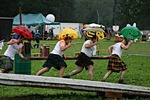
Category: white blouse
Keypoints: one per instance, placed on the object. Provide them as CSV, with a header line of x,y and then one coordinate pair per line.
x,y
57,50
12,50
88,51
117,49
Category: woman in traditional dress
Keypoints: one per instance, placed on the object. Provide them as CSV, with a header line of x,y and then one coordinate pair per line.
x,y
115,63
14,46
84,58
55,58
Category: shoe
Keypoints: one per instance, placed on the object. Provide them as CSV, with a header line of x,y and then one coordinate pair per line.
x,y
121,82
67,76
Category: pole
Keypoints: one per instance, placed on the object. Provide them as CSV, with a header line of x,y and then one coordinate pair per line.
x,y
61,10
98,16
114,10
20,11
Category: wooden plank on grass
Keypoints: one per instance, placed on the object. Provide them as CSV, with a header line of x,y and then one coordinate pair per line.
x,y
71,84
70,58
67,57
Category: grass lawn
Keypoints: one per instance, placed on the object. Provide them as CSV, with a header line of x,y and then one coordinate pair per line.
x,y
137,74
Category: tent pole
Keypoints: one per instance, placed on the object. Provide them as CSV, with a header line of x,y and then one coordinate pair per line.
x,y
20,10
43,31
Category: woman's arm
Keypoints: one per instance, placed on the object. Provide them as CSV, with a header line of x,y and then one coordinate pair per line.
x,y
91,44
110,49
12,41
63,46
21,55
126,47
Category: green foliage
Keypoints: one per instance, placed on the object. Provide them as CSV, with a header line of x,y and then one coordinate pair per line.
x,y
107,12
134,11
8,8
95,11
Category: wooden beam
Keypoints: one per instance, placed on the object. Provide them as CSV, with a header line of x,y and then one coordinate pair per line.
x,y
2,55
71,84
67,57
70,58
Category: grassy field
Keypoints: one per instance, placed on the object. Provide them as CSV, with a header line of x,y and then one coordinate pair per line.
x,y
137,74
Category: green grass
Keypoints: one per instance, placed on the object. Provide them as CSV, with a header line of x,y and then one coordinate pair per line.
x,y
137,74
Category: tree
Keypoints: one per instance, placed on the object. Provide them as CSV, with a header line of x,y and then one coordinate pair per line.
x,y
135,11
8,8
94,11
66,10
106,12
143,17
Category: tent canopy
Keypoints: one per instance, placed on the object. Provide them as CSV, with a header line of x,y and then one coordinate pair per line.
x,y
32,20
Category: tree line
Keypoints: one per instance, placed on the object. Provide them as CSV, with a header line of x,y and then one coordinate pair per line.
x,y
106,12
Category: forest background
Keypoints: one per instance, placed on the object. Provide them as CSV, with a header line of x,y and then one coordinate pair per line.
x,y
106,12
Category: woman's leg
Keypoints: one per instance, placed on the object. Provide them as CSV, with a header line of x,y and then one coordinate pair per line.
x,y
106,75
61,71
91,71
122,76
7,70
74,72
43,70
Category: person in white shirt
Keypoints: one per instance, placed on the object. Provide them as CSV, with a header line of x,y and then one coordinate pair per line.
x,y
55,58
84,58
115,63
14,46
1,44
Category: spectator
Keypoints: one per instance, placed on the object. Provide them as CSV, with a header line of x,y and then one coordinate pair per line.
x,y
37,39
1,44
51,31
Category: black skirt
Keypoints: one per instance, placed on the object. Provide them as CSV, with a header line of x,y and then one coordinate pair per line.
x,y
55,61
83,60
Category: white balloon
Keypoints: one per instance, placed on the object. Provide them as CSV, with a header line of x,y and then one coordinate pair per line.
x,y
51,17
